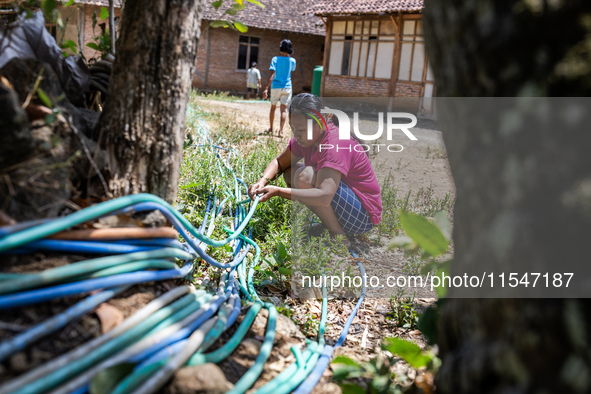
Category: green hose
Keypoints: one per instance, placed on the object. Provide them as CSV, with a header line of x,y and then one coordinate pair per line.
x,y
44,230
248,379
223,352
289,373
116,344
181,314
133,381
137,378
65,272
132,267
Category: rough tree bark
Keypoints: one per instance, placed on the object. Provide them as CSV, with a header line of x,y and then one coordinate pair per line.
x,y
144,119
515,48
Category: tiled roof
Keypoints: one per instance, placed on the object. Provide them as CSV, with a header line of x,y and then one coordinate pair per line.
x,y
326,7
102,3
283,15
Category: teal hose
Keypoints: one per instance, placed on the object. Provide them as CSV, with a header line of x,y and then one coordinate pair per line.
x,y
289,373
66,272
124,340
46,229
132,267
223,352
248,379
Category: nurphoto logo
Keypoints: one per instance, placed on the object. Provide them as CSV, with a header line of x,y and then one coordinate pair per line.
x,y
345,129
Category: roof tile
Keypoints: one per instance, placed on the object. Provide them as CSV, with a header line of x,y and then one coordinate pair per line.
x,y
283,15
326,7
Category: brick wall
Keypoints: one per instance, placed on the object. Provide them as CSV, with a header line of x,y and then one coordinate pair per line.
x,y
342,86
223,58
407,89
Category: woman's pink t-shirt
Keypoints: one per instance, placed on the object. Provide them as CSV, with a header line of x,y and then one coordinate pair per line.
x,y
354,166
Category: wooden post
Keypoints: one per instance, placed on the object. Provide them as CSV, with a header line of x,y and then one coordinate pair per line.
x,y
397,48
328,25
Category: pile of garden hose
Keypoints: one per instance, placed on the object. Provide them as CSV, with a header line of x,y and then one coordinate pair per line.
x,y
172,331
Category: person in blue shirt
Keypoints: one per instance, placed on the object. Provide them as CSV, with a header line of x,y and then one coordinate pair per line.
x,y
280,83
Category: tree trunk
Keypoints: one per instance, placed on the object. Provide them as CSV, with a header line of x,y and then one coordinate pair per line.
x,y
144,118
515,48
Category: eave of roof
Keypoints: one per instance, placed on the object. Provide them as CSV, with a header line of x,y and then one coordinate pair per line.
x,y
364,7
280,15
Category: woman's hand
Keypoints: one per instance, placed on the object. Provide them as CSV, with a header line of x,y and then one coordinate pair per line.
x,y
252,190
267,192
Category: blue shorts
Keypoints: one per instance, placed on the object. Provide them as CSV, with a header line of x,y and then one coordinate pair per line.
x,y
353,218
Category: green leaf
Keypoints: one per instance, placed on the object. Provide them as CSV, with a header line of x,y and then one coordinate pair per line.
x,y
408,351
346,372
69,3
71,45
220,23
106,380
380,383
346,360
426,234
240,27
93,46
403,242
231,12
104,13
217,4
281,251
238,7
43,97
284,271
48,6
257,3
442,221
350,388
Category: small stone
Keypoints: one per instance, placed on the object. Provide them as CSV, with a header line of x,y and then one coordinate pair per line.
x,y
18,362
207,378
251,347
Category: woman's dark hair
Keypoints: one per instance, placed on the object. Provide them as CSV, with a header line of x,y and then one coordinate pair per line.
x,y
307,103
304,102
286,47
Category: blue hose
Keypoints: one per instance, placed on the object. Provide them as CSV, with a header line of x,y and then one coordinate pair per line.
x,y
312,380
21,341
90,247
86,286
150,206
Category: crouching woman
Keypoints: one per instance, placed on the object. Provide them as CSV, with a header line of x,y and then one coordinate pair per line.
x,y
336,180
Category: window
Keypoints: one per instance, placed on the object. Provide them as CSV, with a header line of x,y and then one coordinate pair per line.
x,y
413,59
248,51
362,48
51,28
